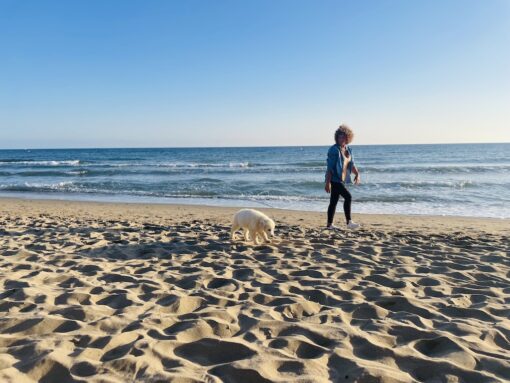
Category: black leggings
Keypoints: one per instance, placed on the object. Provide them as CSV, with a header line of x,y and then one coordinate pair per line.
x,y
338,189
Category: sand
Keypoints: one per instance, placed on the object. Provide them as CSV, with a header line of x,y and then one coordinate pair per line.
x,y
96,292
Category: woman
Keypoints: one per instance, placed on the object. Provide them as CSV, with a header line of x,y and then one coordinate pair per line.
x,y
340,166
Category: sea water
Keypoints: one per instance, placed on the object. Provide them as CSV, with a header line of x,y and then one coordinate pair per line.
x,y
450,179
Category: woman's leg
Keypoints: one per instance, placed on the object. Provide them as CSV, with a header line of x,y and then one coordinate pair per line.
x,y
333,200
342,190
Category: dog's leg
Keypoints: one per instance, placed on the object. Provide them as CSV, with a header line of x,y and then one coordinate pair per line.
x,y
233,232
268,240
246,236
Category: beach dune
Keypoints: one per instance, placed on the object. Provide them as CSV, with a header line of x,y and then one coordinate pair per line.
x,y
97,292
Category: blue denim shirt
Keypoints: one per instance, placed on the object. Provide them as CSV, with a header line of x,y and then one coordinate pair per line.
x,y
335,164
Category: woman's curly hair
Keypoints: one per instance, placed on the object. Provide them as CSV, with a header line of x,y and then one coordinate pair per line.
x,y
345,131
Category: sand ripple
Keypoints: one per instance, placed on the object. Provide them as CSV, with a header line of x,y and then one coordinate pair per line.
x,y
113,300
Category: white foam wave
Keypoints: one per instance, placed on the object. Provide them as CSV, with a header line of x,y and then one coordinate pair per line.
x,y
201,165
43,163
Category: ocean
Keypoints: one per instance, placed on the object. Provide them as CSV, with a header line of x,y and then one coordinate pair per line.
x,y
451,179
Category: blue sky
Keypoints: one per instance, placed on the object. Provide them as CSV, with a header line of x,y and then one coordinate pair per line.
x,y
246,73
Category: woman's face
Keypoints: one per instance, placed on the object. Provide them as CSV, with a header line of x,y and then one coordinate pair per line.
x,y
342,139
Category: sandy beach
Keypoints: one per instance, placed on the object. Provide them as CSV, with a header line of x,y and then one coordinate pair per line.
x,y
97,292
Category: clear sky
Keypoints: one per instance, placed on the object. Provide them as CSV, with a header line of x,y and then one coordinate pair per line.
x,y
124,73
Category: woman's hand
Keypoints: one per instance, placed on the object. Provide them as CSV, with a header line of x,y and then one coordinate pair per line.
x,y
357,176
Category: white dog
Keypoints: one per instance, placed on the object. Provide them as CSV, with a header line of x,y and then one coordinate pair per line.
x,y
254,223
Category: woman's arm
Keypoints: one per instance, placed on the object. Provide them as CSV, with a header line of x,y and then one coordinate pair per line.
x,y
331,161
357,176
328,182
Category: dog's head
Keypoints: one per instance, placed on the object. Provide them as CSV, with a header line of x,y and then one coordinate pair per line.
x,y
267,225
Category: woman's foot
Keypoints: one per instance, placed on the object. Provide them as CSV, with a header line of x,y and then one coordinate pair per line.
x,y
352,225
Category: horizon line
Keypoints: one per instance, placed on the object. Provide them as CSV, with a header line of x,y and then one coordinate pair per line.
x,y
240,147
